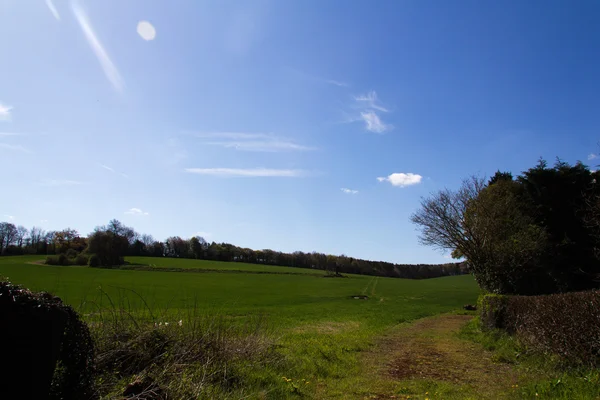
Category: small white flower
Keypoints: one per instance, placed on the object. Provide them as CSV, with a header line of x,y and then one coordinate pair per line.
x,y
180,322
166,324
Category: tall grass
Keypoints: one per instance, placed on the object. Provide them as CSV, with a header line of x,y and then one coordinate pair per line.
x,y
181,355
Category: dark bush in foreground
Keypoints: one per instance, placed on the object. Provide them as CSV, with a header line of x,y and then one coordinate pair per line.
x,y
567,324
47,346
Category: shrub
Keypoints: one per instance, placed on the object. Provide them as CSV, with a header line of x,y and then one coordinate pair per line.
x,y
492,312
63,260
46,331
94,261
566,324
60,259
52,260
81,259
71,253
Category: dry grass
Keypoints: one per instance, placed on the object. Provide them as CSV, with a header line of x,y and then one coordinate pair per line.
x,y
191,359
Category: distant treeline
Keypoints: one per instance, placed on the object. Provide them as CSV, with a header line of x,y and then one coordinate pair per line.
x,y
107,245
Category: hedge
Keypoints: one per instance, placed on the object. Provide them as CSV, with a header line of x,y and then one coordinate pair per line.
x,y
566,324
45,344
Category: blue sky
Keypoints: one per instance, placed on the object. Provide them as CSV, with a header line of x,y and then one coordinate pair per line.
x,y
292,125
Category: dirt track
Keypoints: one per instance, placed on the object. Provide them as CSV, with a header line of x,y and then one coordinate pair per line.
x,y
429,350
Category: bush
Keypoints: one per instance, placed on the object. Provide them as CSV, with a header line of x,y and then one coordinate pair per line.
x,y
45,333
60,259
63,260
71,253
566,324
492,311
94,261
52,260
81,259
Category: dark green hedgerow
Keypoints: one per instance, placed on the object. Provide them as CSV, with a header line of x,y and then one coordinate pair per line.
x,y
566,324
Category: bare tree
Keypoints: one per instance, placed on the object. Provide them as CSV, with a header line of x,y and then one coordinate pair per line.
x,y
36,235
487,226
148,240
443,223
20,235
8,233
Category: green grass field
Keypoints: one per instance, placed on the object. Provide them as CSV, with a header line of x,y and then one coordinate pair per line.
x,y
319,326
206,265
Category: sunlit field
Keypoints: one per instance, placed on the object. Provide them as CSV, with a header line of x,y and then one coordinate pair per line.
x,y
318,325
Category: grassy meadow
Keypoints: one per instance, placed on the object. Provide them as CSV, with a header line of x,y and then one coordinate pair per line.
x,y
317,326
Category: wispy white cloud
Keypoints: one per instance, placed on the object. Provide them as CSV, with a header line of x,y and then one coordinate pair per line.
x,y
401,179
9,134
231,135
592,156
136,211
43,221
109,68
53,9
369,108
349,191
263,145
5,112
61,182
336,83
252,142
373,123
9,217
306,76
14,147
106,167
247,172
370,100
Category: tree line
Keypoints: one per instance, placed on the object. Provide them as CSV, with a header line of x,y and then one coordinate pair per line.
x,y
537,233
108,245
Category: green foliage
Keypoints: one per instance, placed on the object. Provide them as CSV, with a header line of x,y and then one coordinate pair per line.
x,y
69,258
109,247
81,259
60,259
557,199
94,261
508,242
71,253
492,311
500,176
537,234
